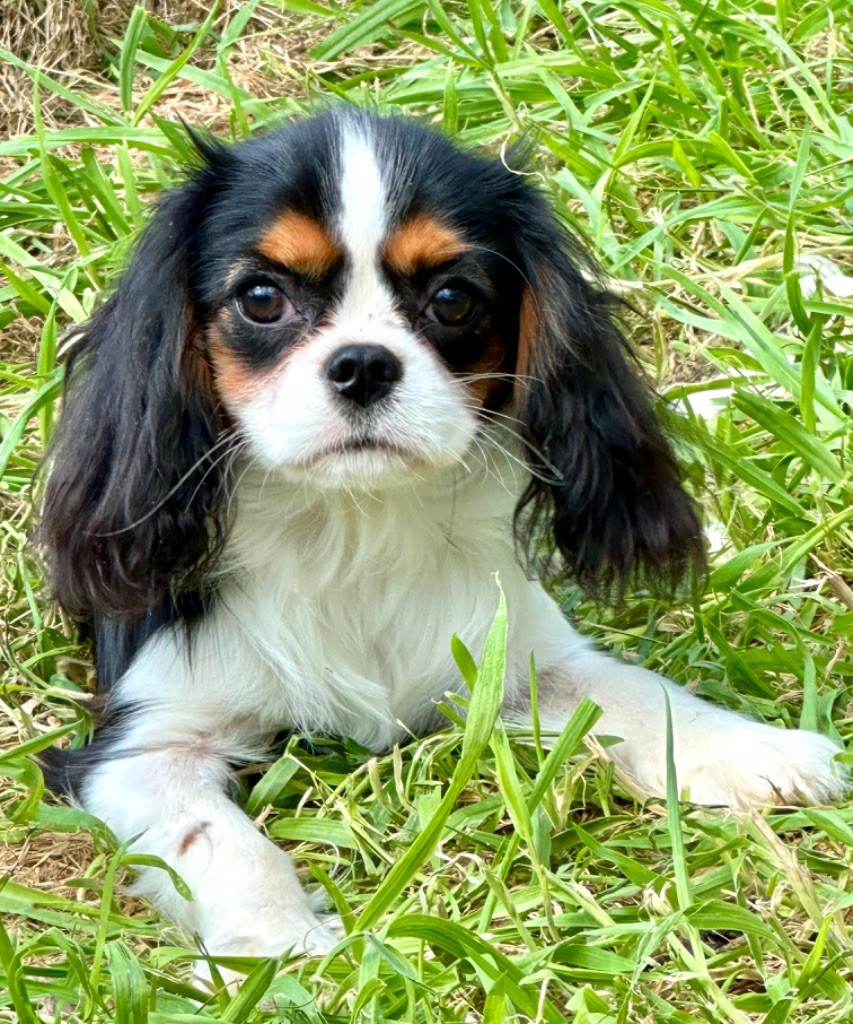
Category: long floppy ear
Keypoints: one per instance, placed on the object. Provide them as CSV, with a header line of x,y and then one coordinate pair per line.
x,y
129,508
605,491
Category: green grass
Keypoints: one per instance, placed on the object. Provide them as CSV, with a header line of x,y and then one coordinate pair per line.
x,y
703,151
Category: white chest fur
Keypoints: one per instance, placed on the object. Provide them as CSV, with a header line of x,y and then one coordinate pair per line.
x,y
352,600
336,611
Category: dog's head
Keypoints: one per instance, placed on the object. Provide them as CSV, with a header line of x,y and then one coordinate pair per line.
x,y
351,300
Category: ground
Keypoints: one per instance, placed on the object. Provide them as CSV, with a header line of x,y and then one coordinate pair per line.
x,y
703,152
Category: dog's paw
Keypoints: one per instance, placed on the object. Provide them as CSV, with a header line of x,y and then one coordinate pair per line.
x,y
300,932
757,765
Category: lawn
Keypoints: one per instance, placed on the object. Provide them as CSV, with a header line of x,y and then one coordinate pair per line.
x,y
704,152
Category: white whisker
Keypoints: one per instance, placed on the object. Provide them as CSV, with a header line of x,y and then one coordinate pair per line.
x,y
174,489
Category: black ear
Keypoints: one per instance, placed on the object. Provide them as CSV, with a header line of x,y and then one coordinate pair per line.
x,y
130,506
605,492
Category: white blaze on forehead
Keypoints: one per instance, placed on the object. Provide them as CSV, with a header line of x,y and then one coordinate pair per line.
x,y
362,224
362,194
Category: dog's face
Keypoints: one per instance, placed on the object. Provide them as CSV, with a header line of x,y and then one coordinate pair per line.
x,y
360,298
351,300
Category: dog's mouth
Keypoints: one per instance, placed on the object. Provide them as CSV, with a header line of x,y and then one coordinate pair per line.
x,y
370,444
367,445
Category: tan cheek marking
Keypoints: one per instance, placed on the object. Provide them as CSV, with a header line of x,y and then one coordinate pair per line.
x,y
236,383
421,242
490,391
191,837
233,381
528,326
301,244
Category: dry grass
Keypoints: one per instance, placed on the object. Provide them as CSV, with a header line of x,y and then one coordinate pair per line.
x,y
72,40
48,863
59,37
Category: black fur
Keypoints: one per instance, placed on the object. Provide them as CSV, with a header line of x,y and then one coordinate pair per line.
x,y
117,639
131,505
606,492
65,771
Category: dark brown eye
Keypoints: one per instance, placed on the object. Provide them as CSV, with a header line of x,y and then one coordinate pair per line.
x,y
264,303
453,305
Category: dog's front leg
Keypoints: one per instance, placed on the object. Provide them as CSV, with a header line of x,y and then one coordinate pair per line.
x,y
246,898
158,776
721,758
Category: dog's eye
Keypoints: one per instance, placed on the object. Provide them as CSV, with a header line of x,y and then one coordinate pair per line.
x,y
264,303
453,305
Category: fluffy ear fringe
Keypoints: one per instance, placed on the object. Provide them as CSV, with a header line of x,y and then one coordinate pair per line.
x,y
605,505
130,507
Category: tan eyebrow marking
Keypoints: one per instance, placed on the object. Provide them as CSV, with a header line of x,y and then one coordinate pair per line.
x,y
300,243
422,242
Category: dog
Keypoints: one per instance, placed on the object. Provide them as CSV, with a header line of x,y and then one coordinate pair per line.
x,y
352,372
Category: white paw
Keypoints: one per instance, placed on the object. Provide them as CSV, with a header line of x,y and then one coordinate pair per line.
x,y
756,765
300,932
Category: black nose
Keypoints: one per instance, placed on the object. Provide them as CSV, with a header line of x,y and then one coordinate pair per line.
x,y
363,373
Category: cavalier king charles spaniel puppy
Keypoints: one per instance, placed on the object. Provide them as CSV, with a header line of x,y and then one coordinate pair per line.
x,y
351,373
